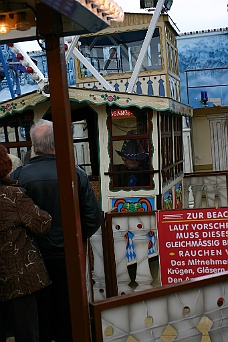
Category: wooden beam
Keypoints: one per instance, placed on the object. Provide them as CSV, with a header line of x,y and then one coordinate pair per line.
x,y
48,22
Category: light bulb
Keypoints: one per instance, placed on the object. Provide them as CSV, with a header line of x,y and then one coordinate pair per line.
x,y
4,26
106,5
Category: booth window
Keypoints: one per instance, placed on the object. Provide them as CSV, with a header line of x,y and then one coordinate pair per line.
x,y
178,145
171,146
117,53
14,133
85,140
130,148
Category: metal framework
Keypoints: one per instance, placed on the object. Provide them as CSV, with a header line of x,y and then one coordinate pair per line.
x,y
70,44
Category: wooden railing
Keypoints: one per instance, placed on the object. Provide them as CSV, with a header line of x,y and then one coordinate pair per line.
x,y
129,303
205,189
190,311
125,254
115,272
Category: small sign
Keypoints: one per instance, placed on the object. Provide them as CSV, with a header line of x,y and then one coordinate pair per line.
x,y
119,113
192,243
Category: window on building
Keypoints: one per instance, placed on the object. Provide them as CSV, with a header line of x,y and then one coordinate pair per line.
x,y
178,145
130,148
171,146
172,52
117,53
166,147
85,140
14,133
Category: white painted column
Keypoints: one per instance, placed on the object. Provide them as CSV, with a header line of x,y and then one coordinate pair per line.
x,y
219,141
188,199
187,146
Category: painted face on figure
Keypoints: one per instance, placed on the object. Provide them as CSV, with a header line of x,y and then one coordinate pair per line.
x,y
131,164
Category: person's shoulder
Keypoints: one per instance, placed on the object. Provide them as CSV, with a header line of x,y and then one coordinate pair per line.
x,y
82,176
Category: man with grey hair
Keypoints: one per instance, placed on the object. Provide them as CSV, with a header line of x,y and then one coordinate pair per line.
x,y
39,178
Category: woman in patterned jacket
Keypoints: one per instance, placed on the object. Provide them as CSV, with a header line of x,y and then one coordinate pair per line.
x,y
22,271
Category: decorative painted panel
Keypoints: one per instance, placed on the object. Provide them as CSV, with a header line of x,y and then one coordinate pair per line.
x,y
167,200
133,204
178,195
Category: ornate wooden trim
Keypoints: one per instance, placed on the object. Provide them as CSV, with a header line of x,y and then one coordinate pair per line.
x,y
19,104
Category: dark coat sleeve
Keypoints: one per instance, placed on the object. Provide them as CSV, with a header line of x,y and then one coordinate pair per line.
x,y
90,210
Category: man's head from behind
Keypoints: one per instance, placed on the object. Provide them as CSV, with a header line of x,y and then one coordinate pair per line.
x,y
42,137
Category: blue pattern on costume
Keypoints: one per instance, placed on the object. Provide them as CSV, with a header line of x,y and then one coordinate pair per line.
x,y
132,180
152,243
130,248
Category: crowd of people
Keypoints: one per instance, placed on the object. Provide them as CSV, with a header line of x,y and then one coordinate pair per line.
x,y
34,302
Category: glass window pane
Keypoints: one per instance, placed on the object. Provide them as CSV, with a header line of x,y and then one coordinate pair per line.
x,y
119,52
125,120
130,160
81,145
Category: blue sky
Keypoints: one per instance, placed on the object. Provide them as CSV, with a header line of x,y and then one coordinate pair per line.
x,y
190,15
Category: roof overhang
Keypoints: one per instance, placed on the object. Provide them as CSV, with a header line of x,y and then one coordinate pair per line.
x,y
77,16
21,103
125,100
98,98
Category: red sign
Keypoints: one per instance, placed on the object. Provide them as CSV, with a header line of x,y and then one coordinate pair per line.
x,y
119,113
192,243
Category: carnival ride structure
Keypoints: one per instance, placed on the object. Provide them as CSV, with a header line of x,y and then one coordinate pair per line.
x,y
136,311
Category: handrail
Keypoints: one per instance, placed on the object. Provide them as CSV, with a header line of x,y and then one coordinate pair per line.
x,y
108,248
173,165
209,186
205,173
127,171
161,291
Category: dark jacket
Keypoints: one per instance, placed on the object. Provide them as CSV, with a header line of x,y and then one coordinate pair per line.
x,y
39,178
22,269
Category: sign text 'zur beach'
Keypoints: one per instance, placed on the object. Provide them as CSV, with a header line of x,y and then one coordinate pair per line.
x,y
192,243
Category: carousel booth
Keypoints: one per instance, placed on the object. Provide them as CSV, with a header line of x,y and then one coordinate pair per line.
x,y
111,134
131,147
130,143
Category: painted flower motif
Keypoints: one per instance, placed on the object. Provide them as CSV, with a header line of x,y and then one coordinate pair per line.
x,y
8,106
11,106
110,98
